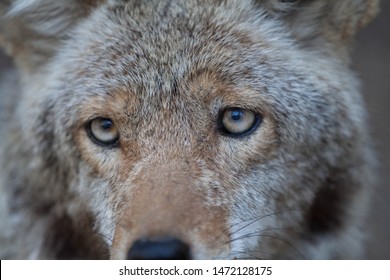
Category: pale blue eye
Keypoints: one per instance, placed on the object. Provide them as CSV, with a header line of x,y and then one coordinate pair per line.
x,y
106,123
236,115
103,131
237,121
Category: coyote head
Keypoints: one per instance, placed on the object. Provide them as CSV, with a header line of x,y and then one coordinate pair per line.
x,y
187,129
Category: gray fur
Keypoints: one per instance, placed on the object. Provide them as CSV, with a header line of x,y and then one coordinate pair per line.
x,y
64,197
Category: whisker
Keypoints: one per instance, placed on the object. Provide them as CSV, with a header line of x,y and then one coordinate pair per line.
x,y
254,220
286,242
280,228
255,233
104,236
273,237
255,251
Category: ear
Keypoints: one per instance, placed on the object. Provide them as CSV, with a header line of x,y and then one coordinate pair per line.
x,y
31,30
336,21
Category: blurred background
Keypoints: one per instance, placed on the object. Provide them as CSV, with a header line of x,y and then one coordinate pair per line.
x,y
371,60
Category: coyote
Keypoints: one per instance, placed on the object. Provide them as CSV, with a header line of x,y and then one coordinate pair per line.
x,y
183,130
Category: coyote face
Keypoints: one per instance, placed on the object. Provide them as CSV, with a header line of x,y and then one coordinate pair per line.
x,y
183,129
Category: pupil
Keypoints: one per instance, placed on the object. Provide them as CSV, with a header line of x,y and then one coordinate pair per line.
x,y
106,124
236,115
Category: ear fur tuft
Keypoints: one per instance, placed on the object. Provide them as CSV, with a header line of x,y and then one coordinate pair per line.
x,y
336,20
30,30
48,17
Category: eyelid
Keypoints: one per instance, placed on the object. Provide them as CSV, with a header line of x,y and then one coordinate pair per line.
x,y
95,140
222,129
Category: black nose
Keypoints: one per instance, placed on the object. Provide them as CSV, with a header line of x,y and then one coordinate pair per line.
x,y
159,249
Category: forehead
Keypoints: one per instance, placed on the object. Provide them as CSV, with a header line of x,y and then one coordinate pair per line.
x,y
152,48
184,51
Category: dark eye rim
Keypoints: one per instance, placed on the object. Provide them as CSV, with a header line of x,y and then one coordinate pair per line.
x,y
110,144
223,131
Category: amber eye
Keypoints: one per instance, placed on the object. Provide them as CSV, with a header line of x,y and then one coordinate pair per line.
x,y
103,132
239,122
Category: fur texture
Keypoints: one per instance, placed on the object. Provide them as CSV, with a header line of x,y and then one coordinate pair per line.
x,y
163,71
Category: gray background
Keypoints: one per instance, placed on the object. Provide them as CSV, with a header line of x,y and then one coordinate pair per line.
x,y
372,62
371,59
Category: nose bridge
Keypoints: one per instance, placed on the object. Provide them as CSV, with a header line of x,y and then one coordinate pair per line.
x,y
169,199
165,193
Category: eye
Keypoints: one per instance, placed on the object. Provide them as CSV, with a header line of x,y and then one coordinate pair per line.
x,y
103,132
239,122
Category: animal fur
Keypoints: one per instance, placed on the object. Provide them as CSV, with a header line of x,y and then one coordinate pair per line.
x,y
296,187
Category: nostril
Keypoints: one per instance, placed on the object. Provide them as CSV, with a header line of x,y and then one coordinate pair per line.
x,y
159,249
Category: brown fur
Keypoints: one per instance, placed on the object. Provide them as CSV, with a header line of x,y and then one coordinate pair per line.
x,y
164,72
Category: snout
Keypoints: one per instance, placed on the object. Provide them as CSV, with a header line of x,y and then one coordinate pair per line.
x,y
166,215
167,248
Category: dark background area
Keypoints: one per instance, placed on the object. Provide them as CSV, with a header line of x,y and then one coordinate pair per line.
x,y
371,60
